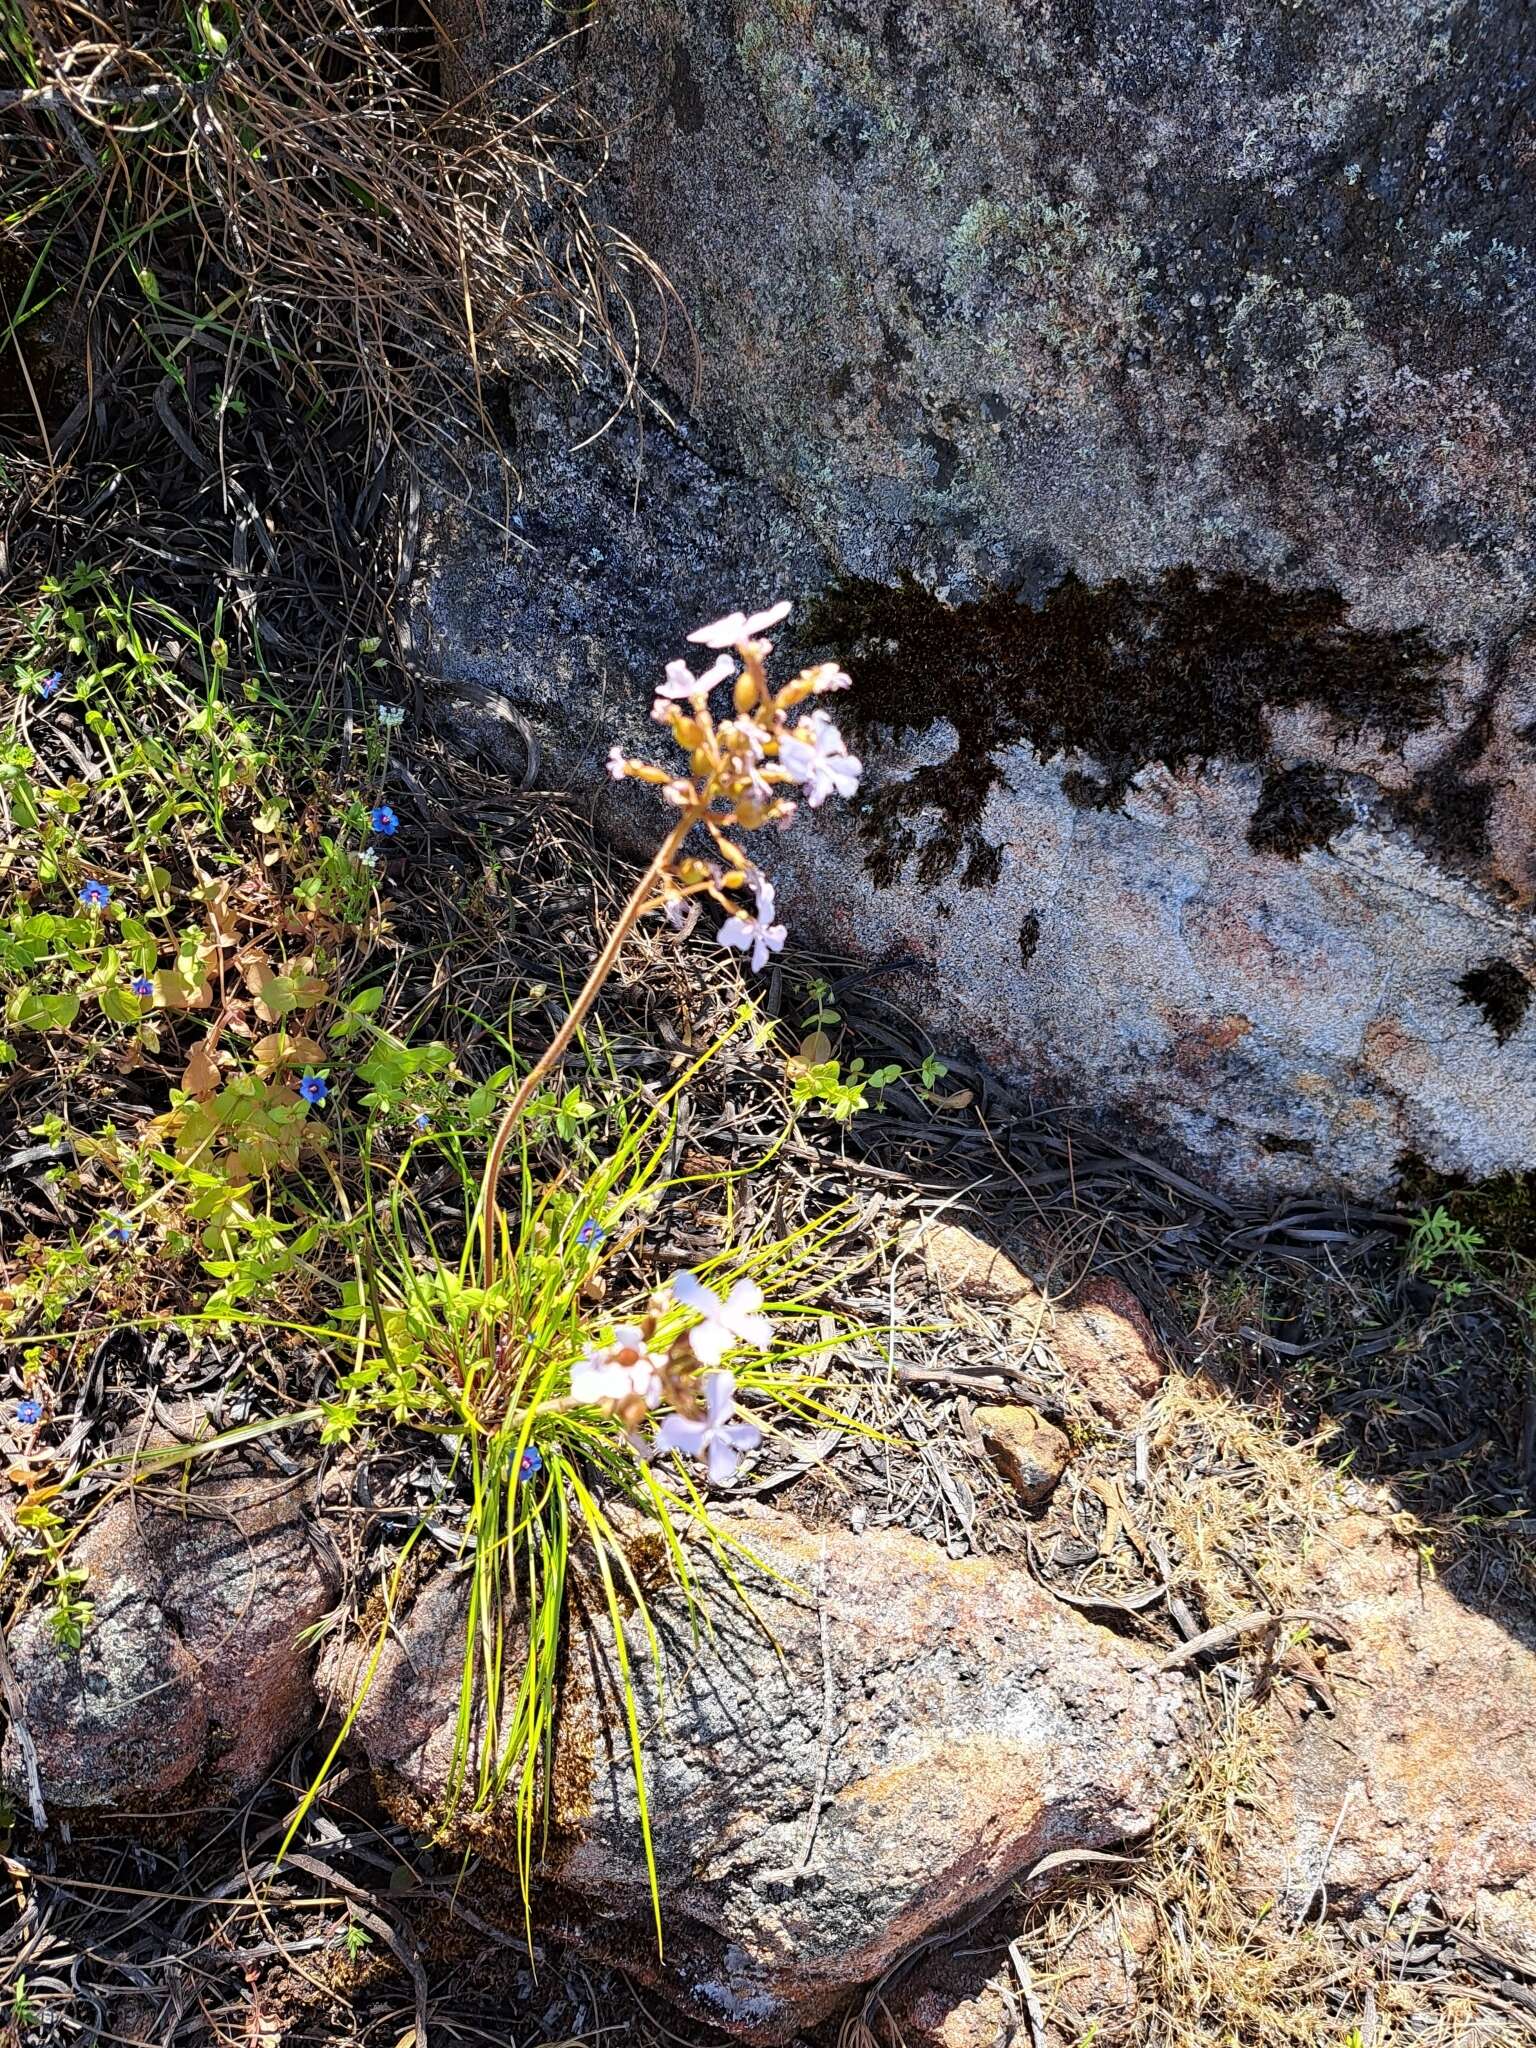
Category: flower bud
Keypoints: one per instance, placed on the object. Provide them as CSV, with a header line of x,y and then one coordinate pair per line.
x,y
745,692
686,731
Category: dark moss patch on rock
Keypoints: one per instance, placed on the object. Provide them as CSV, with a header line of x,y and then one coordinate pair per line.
x,y
1447,807
1298,808
1501,992
984,866
1029,936
1178,669
1089,792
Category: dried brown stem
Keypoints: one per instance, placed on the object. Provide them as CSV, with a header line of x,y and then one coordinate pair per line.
x,y
602,967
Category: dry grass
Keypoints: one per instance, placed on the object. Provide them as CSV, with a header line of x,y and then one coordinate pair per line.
x,y
1241,1502
1242,1509
336,211
254,266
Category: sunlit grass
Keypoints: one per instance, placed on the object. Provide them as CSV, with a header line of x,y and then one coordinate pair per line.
x,y
544,1478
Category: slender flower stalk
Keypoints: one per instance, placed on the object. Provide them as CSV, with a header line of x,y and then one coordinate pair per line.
x,y
740,772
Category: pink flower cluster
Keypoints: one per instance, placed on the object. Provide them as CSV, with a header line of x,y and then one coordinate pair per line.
x,y
629,1378
742,768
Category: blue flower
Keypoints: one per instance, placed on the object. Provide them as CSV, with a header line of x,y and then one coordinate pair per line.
x,y
141,986
421,1121
591,1233
530,1464
383,819
29,1411
49,686
95,895
314,1088
121,1228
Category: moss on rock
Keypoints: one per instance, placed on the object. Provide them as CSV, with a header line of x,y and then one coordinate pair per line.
x,y
1177,669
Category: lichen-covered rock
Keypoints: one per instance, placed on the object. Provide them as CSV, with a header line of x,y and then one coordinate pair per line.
x,y
898,1736
1180,363
1108,1349
191,1680
1099,1334
1030,1453
1418,1784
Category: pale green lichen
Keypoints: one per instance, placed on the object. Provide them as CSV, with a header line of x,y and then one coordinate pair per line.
x,y
1084,296
1304,348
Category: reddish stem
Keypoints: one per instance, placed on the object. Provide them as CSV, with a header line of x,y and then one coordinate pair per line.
x,y
602,967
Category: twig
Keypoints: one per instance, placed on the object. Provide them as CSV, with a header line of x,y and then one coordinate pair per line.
x,y
1319,1882
16,1707
1220,1638
591,988
1033,2011
1229,1632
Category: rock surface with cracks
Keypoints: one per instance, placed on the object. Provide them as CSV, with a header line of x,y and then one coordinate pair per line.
x,y
1178,365
898,1737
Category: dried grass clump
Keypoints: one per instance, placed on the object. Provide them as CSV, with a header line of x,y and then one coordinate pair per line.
x,y
1228,1970
259,271
1242,1509
293,178
1241,1502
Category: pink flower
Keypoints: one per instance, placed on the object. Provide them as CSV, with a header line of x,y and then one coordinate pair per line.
x,y
814,756
618,767
757,934
618,1370
735,1320
682,682
717,1440
755,737
736,628
828,676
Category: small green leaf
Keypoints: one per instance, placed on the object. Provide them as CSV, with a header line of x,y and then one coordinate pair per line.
x,y
119,1006
33,1011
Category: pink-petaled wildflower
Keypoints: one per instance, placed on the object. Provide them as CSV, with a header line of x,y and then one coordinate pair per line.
x,y
735,629
618,1370
682,682
618,765
723,1324
756,934
814,756
828,676
716,1439
755,737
